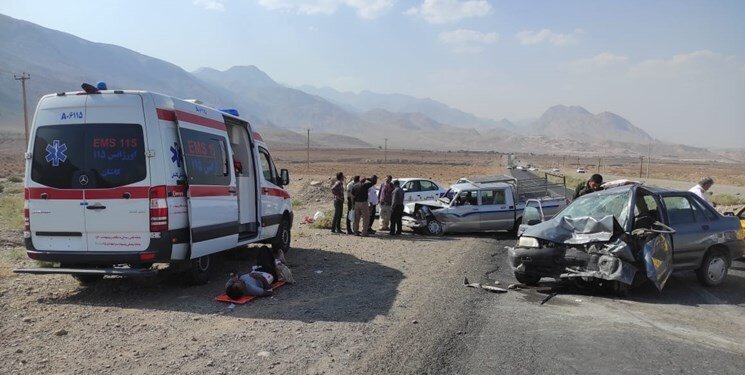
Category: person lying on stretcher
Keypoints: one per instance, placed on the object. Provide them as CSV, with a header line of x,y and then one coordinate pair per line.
x,y
255,283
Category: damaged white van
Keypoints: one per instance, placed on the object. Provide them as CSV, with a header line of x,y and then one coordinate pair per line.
x,y
119,180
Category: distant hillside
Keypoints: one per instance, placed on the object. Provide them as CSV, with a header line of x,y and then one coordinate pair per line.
x,y
399,103
59,61
283,106
577,123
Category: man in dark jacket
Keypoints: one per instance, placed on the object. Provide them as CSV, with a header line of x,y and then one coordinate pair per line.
x,y
361,209
397,208
338,191
590,186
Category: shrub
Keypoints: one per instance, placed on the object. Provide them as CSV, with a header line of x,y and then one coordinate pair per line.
x,y
325,222
15,179
296,203
11,212
727,200
2,188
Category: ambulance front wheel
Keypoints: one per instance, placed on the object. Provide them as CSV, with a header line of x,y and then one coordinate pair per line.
x,y
283,238
200,270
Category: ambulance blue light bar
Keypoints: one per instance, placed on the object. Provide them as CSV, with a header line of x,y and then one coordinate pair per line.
x,y
231,111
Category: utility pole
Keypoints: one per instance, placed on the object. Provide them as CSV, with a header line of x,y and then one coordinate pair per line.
x,y
649,157
23,77
641,166
385,152
600,160
307,156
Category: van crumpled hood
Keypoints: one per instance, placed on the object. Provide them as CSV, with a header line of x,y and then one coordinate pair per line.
x,y
575,230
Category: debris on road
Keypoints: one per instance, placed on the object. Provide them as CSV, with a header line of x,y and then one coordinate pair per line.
x,y
490,288
493,289
548,297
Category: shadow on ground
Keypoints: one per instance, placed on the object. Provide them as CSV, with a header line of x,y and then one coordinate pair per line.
x,y
329,286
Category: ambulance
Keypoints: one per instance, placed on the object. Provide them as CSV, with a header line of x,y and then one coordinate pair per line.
x,y
117,180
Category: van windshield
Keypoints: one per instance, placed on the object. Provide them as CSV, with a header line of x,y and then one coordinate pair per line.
x,y
88,156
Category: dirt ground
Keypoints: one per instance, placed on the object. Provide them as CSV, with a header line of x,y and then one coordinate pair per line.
x,y
362,305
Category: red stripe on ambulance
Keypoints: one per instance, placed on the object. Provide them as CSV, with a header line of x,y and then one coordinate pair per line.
x,y
275,192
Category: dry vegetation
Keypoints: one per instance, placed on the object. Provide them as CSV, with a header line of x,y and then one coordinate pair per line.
x,y
664,169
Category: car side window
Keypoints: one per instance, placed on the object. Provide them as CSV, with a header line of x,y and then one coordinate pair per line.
x,y
412,186
492,197
679,210
427,185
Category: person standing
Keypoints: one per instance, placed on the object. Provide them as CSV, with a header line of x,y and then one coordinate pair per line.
x,y
595,183
372,203
386,200
350,201
361,209
702,188
397,209
338,191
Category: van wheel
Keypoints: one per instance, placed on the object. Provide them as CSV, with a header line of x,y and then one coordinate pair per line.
x,y
714,268
283,238
200,270
527,279
88,279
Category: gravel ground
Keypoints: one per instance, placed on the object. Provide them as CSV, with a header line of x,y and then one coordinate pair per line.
x,y
368,305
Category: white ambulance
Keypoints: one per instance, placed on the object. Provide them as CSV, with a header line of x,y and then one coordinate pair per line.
x,y
134,178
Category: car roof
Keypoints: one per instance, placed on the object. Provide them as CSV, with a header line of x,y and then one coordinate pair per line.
x,y
471,186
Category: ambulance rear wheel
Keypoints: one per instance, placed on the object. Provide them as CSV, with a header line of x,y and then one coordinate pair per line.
x,y
283,238
200,270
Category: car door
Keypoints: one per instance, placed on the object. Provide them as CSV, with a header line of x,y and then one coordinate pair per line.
x,y
494,210
428,190
412,191
463,213
117,192
211,195
692,230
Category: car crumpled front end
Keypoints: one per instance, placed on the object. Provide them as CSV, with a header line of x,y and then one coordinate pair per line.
x,y
589,249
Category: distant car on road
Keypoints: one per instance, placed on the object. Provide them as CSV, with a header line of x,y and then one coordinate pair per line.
x,y
580,170
520,168
555,170
623,236
532,169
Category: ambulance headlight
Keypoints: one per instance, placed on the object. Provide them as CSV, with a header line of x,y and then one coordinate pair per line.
x,y
528,242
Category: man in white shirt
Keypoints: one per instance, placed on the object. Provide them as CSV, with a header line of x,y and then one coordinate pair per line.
x,y
372,201
702,187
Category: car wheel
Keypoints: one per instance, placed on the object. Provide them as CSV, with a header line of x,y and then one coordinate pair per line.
x,y
620,289
200,270
714,268
434,228
283,238
527,279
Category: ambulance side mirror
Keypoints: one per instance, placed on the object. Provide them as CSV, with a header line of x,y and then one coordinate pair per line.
x,y
284,177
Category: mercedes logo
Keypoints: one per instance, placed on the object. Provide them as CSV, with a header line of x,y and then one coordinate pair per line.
x,y
83,180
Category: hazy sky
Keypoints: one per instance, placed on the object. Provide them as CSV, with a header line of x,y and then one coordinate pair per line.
x,y
673,68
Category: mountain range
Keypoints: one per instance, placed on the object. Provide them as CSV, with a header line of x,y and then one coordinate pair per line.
x,y
59,61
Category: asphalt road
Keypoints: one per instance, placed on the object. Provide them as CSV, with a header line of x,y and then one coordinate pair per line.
x,y
684,329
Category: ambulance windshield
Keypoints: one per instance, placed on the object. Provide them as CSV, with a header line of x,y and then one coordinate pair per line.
x,y
88,156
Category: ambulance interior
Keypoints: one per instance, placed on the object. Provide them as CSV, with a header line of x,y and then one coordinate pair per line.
x,y
244,165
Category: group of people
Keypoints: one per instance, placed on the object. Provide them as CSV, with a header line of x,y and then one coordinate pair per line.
x,y
595,183
362,201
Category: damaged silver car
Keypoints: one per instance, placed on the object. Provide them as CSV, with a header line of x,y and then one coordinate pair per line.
x,y
625,236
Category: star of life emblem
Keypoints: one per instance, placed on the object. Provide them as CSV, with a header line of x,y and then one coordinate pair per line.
x,y
56,153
